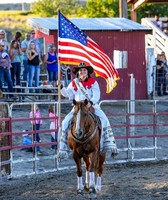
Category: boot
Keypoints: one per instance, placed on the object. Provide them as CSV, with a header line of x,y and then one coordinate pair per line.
x,y
109,143
63,146
1,94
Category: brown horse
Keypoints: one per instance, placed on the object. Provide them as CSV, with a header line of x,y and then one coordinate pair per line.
x,y
84,140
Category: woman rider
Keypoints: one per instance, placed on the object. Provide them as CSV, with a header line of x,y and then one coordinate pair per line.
x,y
81,88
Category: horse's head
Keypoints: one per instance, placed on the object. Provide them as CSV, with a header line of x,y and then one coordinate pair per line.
x,y
81,118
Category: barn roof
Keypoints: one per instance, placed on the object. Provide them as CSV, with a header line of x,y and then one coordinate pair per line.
x,y
45,25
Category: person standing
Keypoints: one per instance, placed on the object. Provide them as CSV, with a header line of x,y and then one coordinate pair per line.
x,y
18,37
3,39
6,48
24,47
15,52
160,76
34,65
157,21
36,122
52,64
36,41
5,65
53,125
66,75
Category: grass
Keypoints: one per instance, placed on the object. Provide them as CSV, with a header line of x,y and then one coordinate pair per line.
x,y
15,20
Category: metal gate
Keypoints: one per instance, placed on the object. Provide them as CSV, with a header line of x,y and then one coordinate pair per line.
x,y
140,129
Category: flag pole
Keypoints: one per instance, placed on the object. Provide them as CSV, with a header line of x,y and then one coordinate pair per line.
x,y
59,81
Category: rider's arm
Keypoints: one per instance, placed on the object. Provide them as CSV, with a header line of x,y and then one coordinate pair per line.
x,y
68,92
95,93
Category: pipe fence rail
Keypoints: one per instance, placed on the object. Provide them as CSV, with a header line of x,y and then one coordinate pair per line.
x,y
141,135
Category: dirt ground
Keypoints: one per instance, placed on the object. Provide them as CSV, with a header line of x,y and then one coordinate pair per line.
x,y
142,181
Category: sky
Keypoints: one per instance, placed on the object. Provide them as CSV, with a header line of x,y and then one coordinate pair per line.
x,y
15,1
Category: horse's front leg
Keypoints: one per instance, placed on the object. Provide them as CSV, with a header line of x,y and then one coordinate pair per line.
x,y
93,160
87,164
80,186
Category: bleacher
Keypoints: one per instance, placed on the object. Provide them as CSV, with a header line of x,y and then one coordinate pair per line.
x,y
41,93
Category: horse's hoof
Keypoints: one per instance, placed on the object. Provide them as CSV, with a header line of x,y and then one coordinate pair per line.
x,y
92,193
86,187
79,192
98,188
92,198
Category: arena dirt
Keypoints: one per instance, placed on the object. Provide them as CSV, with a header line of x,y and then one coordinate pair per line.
x,y
143,181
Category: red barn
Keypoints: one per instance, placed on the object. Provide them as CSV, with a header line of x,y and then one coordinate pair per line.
x,y
120,35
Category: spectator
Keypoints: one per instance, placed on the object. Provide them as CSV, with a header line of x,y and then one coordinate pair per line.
x,y
36,41
66,75
52,64
6,48
164,60
5,65
3,39
36,122
18,36
14,53
34,65
157,22
24,47
166,31
53,125
160,76
27,141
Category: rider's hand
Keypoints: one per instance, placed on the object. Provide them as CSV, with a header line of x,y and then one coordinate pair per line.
x,y
59,83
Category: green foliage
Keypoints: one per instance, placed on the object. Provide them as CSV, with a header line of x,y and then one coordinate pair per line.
x,y
44,8
105,8
49,8
150,10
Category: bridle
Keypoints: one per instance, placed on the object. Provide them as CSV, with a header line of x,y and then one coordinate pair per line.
x,y
86,136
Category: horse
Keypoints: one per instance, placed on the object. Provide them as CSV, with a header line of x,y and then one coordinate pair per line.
x,y
84,141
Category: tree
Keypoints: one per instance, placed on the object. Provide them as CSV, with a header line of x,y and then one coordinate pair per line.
x,y
49,8
150,10
93,8
102,8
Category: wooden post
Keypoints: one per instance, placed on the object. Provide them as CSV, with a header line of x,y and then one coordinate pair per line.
x,y
4,140
133,14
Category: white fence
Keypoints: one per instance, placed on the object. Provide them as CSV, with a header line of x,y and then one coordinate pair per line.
x,y
144,140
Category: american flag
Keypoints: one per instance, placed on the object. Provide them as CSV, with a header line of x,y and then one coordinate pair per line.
x,y
74,47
